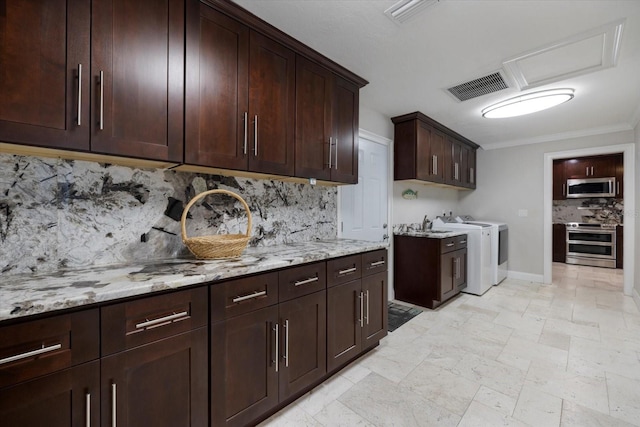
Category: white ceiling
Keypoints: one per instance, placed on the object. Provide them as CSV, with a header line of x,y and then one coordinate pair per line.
x,y
409,66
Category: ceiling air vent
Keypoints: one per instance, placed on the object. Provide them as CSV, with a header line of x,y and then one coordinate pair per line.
x,y
478,87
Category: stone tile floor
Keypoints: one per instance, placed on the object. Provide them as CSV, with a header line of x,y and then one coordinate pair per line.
x,y
523,354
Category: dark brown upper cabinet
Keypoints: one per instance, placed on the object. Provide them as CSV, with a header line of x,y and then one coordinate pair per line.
x,y
44,49
137,74
603,166
240,96
429,152
559,180
326,124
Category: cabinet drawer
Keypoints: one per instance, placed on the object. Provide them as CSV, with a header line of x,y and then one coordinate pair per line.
x,y
39,347
374,262
460,242
134,323
298,281
241,296
343,270
448,244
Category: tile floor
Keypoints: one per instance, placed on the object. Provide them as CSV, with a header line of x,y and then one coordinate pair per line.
x,y
524,354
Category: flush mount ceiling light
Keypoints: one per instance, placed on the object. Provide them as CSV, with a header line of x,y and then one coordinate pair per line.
x,y
527,104
405,9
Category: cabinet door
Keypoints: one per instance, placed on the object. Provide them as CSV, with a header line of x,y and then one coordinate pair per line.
x,y
453,162
447,276
468,170
460,270
244,367
344,331
68,398
217,88
429,154
559,243
304,342
619,174
137,106
164,383
43,47
619,246
271,106
314,93
375,318
344,166
559,181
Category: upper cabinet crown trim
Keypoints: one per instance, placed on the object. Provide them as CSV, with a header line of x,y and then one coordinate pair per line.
x,y
237,12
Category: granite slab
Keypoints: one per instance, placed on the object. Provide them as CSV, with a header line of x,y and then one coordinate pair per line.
x,y
430,234
24,295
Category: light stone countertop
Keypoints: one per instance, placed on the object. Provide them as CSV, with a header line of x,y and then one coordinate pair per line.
x,y
430,234
24,295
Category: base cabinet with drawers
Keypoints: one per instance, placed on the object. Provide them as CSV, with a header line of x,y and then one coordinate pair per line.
x,y
229,353
429,271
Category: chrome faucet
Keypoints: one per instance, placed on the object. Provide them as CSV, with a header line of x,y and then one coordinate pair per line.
x,y
426,224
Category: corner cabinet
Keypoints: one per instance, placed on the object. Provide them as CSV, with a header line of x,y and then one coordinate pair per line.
x,y
326,124
429,152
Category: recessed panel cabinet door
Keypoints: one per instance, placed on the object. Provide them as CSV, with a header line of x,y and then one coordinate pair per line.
x,y
375,316
344,332
271,106
68,398
304,351
162,384
217,85
345,121
314,94
137,78
44,49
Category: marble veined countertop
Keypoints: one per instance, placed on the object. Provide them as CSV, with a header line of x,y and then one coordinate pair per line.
x,y
430,234
24,295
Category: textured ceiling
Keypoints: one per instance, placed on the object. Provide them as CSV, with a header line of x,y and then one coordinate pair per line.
x,y
409,66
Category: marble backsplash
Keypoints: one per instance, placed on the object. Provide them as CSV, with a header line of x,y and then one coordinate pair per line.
x,y
603,211
62,213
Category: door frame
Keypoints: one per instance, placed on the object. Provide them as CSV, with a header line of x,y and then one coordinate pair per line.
x,y
629,206
377,139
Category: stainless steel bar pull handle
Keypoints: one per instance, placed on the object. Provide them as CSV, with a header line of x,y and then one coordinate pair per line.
x,y
377,263
330,150
462,242
347,271
255,135
564,189
286,343
587,171
434,165
256,294
450,244
113,405
304,282
591,170
79,122
246,132
87,421
367,294
165,319
618,188
361,309
276,329
101,122
335,166
32,353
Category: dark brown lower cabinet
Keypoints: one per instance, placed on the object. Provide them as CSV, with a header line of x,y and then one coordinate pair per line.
x,y
619,246
164,383
356,318
67,398
559,243
429,271
244,377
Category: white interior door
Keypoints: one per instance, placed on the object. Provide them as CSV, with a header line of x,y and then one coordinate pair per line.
x,y
364,206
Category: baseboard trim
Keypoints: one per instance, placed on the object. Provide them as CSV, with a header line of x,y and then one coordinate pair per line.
x,y
536,278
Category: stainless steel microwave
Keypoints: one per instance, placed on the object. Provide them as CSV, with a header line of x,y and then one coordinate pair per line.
x,y
591,187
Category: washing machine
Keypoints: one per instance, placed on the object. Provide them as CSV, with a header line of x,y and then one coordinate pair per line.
x,y
478,251
499,246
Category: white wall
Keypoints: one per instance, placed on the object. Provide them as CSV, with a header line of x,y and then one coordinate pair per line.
x,y
431,201
376,123
510,189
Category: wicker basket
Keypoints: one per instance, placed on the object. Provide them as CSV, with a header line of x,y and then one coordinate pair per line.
x,y
219,245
